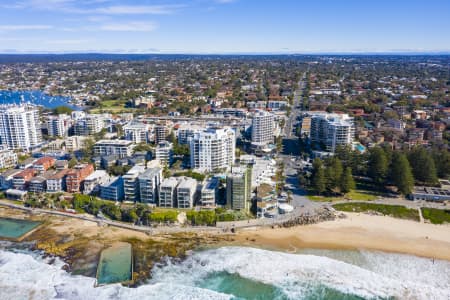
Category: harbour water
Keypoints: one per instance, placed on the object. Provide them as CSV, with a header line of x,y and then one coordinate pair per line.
x,y
241,273
34,97
15,228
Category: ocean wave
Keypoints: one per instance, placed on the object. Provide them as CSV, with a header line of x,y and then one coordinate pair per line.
x,y
297,275
372,275
24,276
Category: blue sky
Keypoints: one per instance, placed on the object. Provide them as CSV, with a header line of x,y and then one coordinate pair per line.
x,y
224,26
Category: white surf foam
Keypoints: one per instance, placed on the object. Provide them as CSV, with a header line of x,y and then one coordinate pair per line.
x,y
24,276
386,275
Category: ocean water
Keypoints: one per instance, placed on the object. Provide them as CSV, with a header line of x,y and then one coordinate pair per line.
x,y
34,97
241,273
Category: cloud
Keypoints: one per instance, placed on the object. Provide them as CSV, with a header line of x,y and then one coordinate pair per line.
x,y
131,26
24,27
225,1
66,42
93,7
139,9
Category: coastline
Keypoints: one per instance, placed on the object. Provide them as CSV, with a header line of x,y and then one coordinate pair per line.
x,y
79,242
357,231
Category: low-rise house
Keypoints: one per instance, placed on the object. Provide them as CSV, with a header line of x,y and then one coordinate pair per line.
x,y
14,194
430,194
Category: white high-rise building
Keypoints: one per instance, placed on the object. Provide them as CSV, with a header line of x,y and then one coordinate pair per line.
x,y
89,125
213,149
164,152
262,128
20,127
58,125
332,130
137,132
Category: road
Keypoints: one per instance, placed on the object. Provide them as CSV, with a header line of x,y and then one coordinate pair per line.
x,y
100,222
291,149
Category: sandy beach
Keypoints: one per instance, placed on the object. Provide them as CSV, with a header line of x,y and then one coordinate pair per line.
x,y
357,231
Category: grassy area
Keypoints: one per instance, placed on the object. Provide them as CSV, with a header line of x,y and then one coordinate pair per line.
x,y
357,195
112,106
396,211
436,216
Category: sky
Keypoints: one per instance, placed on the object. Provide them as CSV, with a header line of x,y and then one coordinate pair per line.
x,y
224,26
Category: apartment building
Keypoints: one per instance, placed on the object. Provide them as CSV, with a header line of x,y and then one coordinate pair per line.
x,y
76,142
6,178
89,125
131,183
112,190
262,128
149,183
186,131
92,182
57,182
209,193
239,189
212,149
168,192
164,152
58,125
76,176
22,179
186,190
120,148
20,127
44,163
161,133
8,159
136,132
332,130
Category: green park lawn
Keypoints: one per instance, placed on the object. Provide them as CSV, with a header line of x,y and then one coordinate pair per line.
x,y
357,195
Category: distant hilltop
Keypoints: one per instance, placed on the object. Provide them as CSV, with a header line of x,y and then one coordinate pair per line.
x,y
61,57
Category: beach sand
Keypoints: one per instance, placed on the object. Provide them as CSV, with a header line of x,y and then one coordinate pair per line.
x,y
357,231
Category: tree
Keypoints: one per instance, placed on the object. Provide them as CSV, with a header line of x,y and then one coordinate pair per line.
x,y
401,174
59,110
318,176
422,165
347,182
378,165
72,162
442,162
333,174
